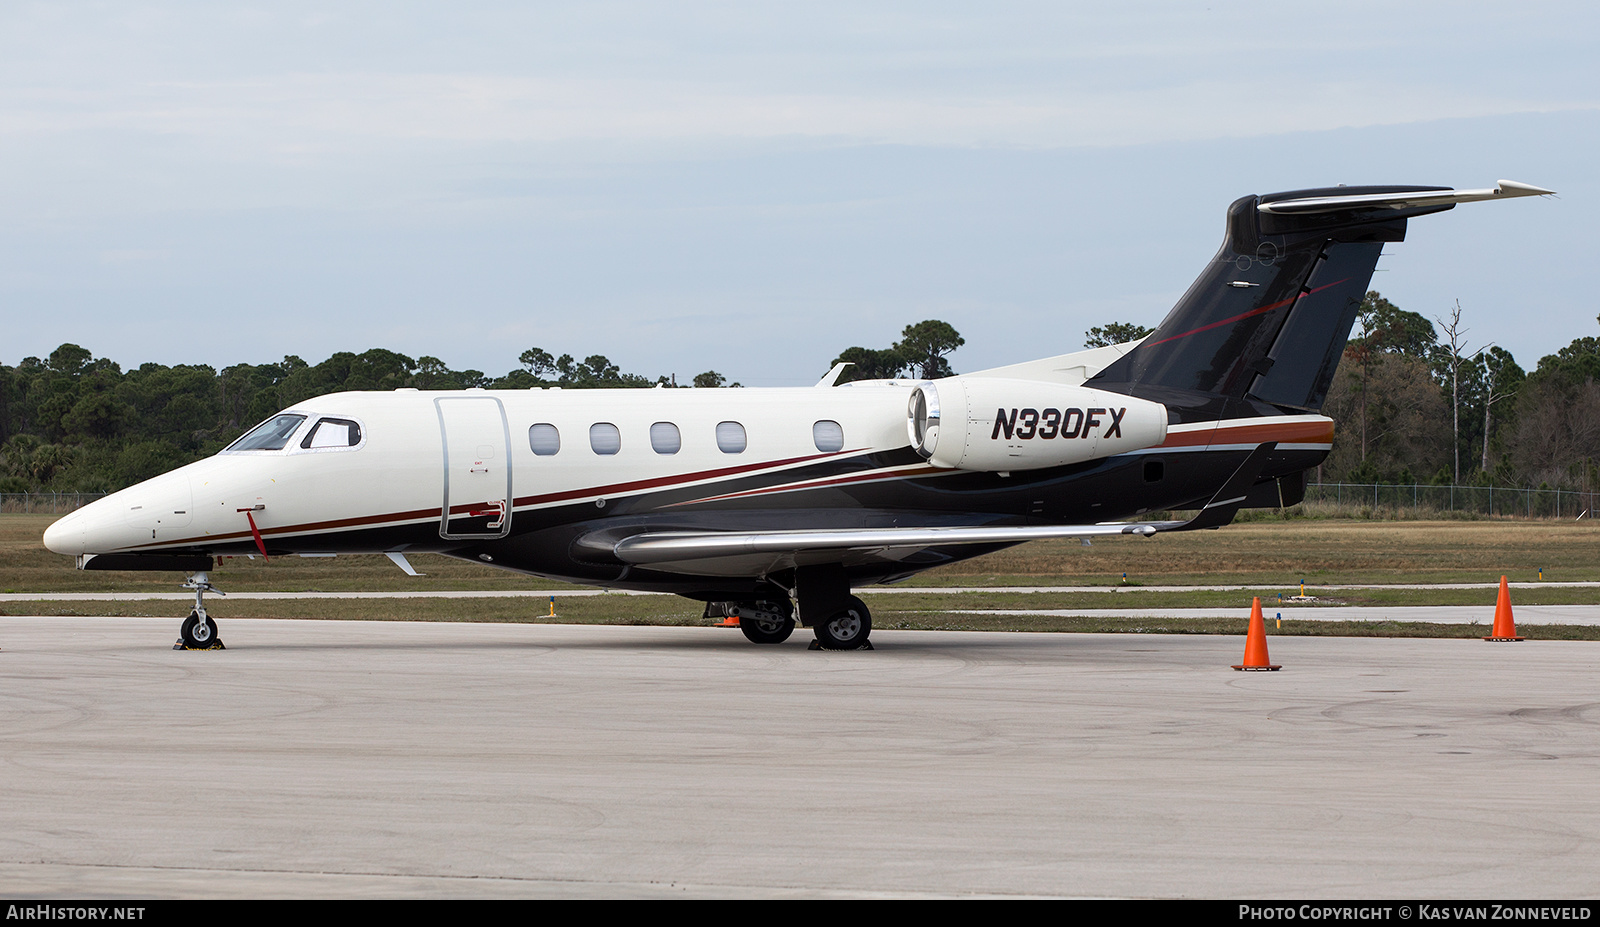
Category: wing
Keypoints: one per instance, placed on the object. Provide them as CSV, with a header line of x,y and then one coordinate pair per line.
x,y
728,553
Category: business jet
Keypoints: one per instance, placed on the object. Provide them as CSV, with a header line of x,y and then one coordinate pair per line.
x,y
773,505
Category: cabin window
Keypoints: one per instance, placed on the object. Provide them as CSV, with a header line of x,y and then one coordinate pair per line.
x,y
665,438
730,437
544,439
271,435
604,438
828,436
332,432
1154,471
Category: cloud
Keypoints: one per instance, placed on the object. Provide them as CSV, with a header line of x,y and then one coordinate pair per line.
x,y
682,175
306,115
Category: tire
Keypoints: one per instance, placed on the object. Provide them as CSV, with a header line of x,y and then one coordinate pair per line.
x,y
197,634
846,630
766,622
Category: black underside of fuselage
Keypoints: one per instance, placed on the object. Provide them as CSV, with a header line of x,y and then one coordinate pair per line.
x,y
544,541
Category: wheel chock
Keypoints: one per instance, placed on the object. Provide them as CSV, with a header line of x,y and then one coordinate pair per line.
x,y
864,645
214,645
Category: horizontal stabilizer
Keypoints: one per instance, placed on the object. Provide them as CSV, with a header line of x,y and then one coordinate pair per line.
x,y
1506,189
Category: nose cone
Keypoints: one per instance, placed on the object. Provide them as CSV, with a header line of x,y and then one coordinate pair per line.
x,y
153,511
65,536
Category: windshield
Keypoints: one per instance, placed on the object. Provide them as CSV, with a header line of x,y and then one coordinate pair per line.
x,y
332,432
270,435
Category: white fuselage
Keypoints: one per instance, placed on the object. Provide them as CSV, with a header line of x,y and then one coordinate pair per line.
x,y
400,470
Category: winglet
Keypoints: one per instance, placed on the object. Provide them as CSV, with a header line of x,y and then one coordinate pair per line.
x,y
1225,503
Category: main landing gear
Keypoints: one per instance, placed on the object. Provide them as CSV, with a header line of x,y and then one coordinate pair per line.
x,y
198,631
769,621
763,621
839,620
846,629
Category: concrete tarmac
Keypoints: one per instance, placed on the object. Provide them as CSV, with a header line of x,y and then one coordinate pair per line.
x,y
1430,614
390,759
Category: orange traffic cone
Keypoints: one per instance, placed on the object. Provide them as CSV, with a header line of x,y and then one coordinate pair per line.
x,y
1504,628
1255,645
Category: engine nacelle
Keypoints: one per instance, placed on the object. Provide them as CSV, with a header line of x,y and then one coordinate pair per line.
x,y
983,423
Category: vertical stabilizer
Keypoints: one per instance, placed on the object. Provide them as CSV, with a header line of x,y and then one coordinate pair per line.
x,y
1261,331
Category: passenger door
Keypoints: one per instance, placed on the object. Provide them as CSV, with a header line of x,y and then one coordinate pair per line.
x,y
477,467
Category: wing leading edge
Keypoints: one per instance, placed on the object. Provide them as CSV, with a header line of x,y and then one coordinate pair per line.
x,y
685,546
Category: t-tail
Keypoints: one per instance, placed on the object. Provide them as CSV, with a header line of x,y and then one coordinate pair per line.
x,y
1260,333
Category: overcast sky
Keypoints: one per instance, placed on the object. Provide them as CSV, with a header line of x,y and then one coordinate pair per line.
x,y
752,187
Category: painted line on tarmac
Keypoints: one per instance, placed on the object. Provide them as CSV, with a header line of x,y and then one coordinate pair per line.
x,y
1430,614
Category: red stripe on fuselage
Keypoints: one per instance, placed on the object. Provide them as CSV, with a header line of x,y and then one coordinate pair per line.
x,y
1281,432
366,521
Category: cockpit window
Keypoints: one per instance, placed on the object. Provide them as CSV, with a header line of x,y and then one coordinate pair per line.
x,y
271,435
332,432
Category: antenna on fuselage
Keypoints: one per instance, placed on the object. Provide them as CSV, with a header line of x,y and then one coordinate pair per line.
x,y
832,376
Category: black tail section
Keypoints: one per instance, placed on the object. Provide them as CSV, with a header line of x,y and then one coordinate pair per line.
x,y
1262,329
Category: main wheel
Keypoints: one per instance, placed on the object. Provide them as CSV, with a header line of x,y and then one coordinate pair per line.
x,y
197,634
846,630
766,622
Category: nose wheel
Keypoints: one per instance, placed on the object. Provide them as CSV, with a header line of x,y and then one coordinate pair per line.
x,y
198,631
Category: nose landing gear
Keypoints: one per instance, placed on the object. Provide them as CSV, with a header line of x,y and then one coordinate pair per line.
x,y
198,631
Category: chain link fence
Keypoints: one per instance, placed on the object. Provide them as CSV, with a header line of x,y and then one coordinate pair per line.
x,y
1421,499
46,503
